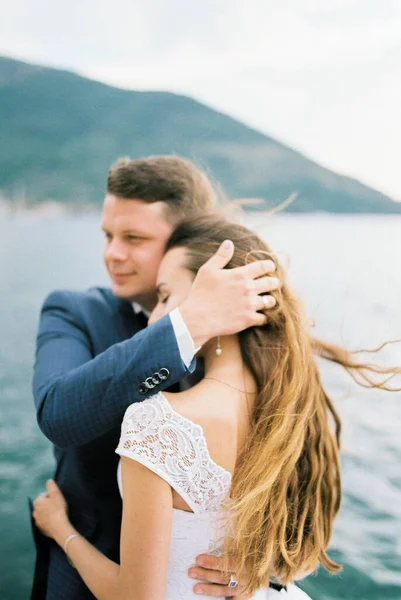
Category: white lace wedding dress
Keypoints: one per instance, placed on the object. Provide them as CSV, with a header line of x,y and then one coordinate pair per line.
x,y
155,435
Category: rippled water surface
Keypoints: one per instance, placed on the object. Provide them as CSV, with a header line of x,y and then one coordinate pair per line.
x,y
348,272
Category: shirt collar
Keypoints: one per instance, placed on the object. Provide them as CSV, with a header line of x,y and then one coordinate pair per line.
x,y
138,308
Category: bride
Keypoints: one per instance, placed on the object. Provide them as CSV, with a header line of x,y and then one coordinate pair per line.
x,y
244,465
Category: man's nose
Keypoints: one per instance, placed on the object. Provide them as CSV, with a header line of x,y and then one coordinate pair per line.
x,y
116,250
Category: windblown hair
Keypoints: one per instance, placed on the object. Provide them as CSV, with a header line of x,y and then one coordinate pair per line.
x,y
185,189
286,486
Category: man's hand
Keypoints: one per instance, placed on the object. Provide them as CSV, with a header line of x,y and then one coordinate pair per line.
x,y
226,301
208,568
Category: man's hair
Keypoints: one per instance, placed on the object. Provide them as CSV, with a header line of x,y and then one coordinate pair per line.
x,y
186,190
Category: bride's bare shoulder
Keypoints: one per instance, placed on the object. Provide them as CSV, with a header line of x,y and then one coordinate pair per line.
x,y
218,419
200,407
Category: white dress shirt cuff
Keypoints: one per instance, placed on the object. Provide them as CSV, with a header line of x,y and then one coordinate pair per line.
x,y
185,342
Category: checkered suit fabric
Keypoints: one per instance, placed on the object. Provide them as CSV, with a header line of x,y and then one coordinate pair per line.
x,y
92,354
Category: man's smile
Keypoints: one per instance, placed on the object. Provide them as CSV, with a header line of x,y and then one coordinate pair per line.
x,y
121,276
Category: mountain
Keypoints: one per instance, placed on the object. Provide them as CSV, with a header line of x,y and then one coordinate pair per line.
x,y
60,132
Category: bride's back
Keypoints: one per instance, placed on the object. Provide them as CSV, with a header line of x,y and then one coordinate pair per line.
x,y
223,412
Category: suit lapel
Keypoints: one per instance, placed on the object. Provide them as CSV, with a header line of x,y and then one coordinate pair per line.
x,y
129,323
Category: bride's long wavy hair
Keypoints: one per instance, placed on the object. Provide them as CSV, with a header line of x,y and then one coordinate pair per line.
x,y
286,487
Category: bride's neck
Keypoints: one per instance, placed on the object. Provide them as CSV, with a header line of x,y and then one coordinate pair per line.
x,y
229,366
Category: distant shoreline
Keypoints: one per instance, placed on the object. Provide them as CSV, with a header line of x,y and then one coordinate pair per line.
x,y
53,210
48,209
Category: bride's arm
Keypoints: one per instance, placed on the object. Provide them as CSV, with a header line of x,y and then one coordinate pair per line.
x,y
145,539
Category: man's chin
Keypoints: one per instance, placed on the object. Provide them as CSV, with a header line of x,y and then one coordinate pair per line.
x,y
131,294
123,292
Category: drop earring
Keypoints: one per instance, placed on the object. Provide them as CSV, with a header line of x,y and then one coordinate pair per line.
x,y
218,348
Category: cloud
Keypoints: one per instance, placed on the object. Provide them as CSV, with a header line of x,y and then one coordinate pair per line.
x,y
321,76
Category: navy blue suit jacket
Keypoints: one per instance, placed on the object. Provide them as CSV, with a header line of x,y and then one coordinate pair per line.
x,y
93,354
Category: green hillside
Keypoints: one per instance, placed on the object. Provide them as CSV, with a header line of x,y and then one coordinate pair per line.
x,y
60,132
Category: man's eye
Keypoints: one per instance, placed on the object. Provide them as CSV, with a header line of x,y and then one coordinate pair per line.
x,y
133,238
164,301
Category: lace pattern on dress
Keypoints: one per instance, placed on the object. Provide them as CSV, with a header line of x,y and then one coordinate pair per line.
x,y
175,448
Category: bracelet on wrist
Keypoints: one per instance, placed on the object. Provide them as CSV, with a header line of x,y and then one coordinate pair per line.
x,y
67,541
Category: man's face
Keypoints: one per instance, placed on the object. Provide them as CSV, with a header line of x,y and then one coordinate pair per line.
x,y
136,233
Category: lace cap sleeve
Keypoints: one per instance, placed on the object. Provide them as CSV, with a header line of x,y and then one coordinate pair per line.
x,y
174,448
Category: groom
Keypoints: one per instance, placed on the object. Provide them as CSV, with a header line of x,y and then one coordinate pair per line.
x,y
95,355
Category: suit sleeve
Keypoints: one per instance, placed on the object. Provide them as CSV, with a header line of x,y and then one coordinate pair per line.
x,y
79,398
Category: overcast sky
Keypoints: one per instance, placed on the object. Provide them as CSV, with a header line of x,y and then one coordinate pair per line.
x,y
323,76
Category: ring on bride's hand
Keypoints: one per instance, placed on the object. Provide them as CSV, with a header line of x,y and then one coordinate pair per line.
x,y
266,303
233,581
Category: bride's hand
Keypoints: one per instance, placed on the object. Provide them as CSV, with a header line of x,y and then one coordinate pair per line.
x,y
50,510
